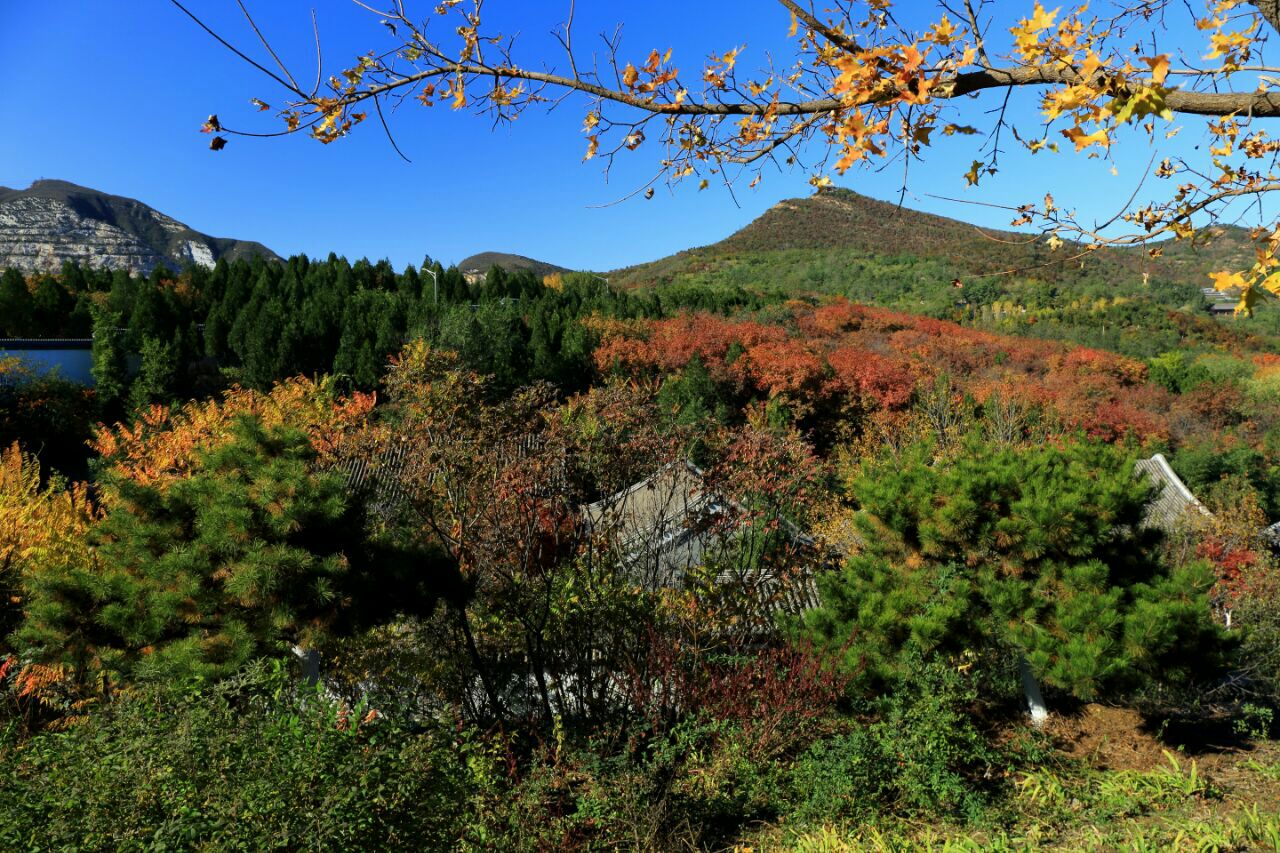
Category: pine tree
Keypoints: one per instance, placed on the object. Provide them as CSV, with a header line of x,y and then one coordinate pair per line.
x,y
157,377
17,309
52,307
193,578
151,315
122,292
1038,550
110,370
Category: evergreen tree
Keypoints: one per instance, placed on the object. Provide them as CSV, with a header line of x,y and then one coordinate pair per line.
x,y
264,356
495,284
79,323
1041,551
196,577
150,315
17,308
691,397
110,370
122,293
52,307
73,278
157,378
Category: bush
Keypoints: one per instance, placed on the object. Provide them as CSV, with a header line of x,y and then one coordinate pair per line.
x,y
924,755
1040,550
252,764
694,787
1259,657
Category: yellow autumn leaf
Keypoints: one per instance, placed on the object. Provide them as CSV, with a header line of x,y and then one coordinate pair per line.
x,y
1083,140
1227,280
629,76
1159,66
1092,63
1026,35
942,33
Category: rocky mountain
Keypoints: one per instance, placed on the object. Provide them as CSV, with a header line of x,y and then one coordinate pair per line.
x,y
479,264
836,228
55,221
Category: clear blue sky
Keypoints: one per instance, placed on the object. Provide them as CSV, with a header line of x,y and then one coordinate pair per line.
x,y
111,95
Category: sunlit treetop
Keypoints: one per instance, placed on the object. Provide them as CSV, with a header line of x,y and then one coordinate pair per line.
x,y
866,88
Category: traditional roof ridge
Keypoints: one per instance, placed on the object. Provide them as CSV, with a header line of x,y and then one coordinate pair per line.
x,y
45,343
1174,499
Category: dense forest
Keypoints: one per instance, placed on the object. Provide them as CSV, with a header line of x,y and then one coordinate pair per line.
x,y
333,556
170,337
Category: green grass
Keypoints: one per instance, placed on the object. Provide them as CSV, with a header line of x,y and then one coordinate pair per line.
x,y
1171,807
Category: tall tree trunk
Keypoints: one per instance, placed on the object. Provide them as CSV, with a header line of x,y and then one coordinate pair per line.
x,y
538,665
309,659
478,664
1031,689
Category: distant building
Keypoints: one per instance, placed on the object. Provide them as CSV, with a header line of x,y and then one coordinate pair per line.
x,y
671,523
1223,309
1173,501
69,358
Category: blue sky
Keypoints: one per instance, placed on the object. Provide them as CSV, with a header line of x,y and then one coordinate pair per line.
x,y
111,95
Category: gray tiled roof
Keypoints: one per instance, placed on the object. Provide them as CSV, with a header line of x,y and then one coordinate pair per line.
x,y
1173,500
670,523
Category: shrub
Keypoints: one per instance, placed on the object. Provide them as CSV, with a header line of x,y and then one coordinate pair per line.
x,y
924,755
251,764
1041,550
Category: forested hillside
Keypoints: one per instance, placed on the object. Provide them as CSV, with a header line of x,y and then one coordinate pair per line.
x,y
840,223
484,261
871,251
450,513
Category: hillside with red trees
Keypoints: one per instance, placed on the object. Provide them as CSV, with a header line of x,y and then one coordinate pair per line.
x,y
846,365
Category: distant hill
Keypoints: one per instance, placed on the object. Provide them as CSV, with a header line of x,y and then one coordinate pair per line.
x,y
836,228
480,263
55,221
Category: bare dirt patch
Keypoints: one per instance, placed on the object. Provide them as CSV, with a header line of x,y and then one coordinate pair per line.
x,y
1108,738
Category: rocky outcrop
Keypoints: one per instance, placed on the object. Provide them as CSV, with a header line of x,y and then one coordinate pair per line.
x,y
55,221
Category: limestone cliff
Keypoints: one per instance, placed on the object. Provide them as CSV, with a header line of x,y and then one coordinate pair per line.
x,y
55,221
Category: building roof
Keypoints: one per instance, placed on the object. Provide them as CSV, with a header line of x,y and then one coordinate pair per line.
x,y
671,522
379,476
379,473
1173,500
12,344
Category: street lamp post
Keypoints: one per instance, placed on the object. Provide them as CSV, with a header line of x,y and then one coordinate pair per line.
x,y
435,283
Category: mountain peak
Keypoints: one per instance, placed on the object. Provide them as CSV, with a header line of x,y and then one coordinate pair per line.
x,y
54,221
479,264
848,228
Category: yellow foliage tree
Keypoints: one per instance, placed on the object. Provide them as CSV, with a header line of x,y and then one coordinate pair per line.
x,y
159,444
41,524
